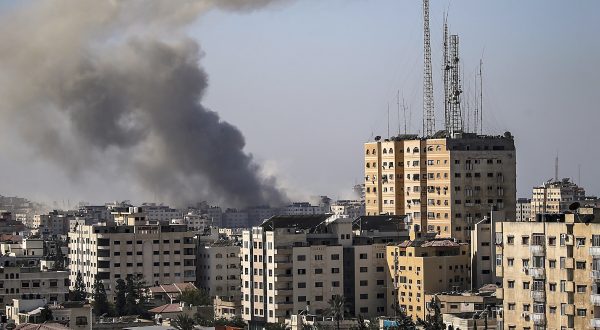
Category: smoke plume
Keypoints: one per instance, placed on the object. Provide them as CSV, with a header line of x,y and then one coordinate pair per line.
x,y
115,84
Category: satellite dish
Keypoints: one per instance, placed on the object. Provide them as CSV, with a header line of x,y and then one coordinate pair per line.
x,y
574,206
588,218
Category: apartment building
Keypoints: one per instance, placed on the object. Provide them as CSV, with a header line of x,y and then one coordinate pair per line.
x,y
161,254
425,265
218,269
443,184
20,279
234,218
352,208
555,196
295,264
523,209
550,272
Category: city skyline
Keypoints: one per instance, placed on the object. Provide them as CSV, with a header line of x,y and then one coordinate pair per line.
x,y
339,73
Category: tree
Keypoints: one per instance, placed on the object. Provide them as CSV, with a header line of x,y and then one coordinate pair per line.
x,y
435,321
120,302
79,293
183,322
337,309
135,298
46,315
100,303
404,321
275,326
195,297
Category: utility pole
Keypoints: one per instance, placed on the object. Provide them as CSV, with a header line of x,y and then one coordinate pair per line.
x,y
428,107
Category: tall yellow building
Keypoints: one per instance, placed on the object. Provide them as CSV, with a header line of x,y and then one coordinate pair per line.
x,y
425,266
550,272
444,184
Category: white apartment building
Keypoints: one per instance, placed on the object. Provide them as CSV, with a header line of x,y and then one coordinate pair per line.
x,y
303,208
297,263
218,272
353,209
160,213
54,223
161,254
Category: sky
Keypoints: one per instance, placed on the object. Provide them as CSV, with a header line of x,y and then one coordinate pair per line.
x,y
308,82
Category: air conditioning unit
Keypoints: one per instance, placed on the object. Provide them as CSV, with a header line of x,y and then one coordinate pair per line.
x,y
525,315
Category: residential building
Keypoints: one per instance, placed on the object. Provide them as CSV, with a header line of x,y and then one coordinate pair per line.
x,y
218,269
53,224
297,263
303,208
20,279
555,196
351,208
483,251
76,315
234,218
425,265
161,213
161,254
523,209
168,293
8,225
258,214
468,310
550,271
444,184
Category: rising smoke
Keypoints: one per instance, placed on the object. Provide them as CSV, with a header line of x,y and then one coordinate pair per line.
x,y
116,84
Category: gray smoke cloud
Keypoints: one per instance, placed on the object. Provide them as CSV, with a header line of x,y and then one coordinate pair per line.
x,y
93,85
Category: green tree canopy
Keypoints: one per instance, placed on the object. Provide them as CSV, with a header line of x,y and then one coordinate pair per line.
x,y
183,322
100,303
195,297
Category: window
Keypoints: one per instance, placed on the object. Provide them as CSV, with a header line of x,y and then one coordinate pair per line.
x,y
318,257
335,270
552,263
510,240
511,284
525,240
81,320
580,265
301,257
580,241
301,298
335,284
510,262
318,270
363,256
511,306
581,288
364,296
364,269
552,286
526,285
335,257
301,285
318,284
364,283
301,271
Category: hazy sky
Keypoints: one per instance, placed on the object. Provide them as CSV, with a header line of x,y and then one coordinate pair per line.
x,y
308,82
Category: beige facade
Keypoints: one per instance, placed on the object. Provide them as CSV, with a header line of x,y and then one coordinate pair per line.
x,y
550,272
555,197
162,254
443,184
218,272
20,280
294,264
425,266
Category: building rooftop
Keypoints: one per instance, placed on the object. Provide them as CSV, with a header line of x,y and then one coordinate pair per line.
x,y
302,222
380,222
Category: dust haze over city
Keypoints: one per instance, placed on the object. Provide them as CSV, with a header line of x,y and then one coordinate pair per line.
x,y
294,164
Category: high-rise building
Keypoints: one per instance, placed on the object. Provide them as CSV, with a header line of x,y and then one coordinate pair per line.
x,y
555,196
159,254
425,265
550,271
298,263
443,184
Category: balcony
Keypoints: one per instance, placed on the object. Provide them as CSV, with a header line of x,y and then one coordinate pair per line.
x,y
538,318
595,323
538,296
595,299
537,272
595,275
595,251
537,250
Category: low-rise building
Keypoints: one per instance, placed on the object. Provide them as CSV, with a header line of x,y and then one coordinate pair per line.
x,y
523,209
75,315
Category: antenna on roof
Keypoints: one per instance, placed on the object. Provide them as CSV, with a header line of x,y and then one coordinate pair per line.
x,y
388,114
556,167
480,96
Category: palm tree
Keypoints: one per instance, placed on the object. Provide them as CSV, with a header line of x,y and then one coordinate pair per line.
x,y
337,309
183,322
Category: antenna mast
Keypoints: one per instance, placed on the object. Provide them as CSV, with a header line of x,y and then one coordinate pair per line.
x,y
428,108
455,120
480,96
446,68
